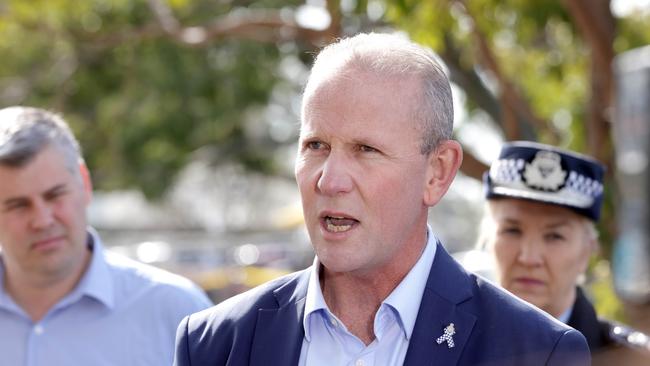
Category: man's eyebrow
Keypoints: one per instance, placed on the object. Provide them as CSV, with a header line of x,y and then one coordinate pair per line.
x,y
13,201
365,141
21,199
56,188
305,135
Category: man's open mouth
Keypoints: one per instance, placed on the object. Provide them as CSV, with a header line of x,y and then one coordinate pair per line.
x,y
339,224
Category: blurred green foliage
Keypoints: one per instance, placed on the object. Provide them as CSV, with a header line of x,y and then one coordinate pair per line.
x,y
601,290
142,102
539,49
536,45
139,103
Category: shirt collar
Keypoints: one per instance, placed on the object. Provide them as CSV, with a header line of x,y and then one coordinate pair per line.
x,y
314,301
95,283
406,297
400,300
5,300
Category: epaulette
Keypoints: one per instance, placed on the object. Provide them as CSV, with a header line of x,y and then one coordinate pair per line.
x,y
629,337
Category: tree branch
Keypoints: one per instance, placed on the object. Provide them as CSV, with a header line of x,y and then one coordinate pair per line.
x,y
471,166
596,24
469,80
262,25
512,103
164,15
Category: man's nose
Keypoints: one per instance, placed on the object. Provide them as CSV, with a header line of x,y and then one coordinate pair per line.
x,y
43,215
335,177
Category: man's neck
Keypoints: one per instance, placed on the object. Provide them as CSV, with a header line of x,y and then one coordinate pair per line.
x,y
355,297
37,293
355,302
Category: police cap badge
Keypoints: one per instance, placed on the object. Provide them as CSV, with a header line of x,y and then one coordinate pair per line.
x,y
544,173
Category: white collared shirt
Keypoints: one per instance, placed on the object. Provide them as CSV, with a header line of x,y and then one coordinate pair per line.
x,y
328,342
121,313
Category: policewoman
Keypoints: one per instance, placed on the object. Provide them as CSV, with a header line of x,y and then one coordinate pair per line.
x,y
542,206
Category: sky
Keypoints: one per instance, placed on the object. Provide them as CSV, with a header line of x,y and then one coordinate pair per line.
x,y
621,8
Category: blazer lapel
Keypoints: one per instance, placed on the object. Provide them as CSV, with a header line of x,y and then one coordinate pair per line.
x,y
448,285
279,331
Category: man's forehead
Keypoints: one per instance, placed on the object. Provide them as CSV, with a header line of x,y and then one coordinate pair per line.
x,y
342,95
354,78
345,127
41,173
19,193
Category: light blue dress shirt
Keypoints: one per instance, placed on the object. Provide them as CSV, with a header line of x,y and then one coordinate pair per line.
x,y
121,313
327,342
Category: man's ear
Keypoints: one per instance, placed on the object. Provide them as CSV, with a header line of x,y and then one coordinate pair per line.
x,y
442,165
86,181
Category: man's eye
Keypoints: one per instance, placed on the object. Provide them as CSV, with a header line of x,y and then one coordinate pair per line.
x,y
314,145
366,148
55,194
15,206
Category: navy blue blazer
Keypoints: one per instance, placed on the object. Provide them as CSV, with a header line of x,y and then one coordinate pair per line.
x,y
263,326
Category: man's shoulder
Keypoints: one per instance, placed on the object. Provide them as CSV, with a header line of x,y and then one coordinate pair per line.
x,y
519,332
224,333
621,335
238,310
491,305
509,310
495,310
132,278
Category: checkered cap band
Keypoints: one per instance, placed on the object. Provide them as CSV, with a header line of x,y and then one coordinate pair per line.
x,y
547,174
